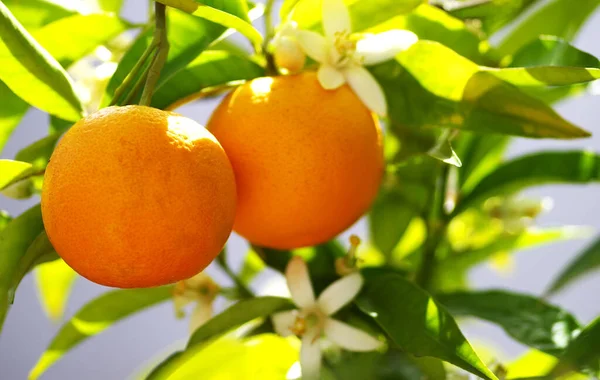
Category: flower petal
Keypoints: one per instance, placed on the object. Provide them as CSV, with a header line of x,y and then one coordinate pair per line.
x,y
283,321
367,89
350,338
336,18
313,44
381,47
310,358
299,284
340,293
201,314
329,77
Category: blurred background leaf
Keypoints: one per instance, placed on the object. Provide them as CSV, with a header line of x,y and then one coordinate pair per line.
x,y
54,280
586,262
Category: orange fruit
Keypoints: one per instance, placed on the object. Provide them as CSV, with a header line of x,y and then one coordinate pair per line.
x,y
137,197
308,161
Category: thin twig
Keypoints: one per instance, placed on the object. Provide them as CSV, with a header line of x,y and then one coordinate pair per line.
x,y
132,74
160,38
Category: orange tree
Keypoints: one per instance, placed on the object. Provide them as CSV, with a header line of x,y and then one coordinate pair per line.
x,y
400,110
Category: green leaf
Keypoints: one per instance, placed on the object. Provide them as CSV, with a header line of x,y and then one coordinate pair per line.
x,y
32,73
546,75
188,6
12,111
388,219
443,150
54,281
236,315
230,21
583,353
482,155
493,14
287,6
211,68
452,271
15,240
363,13
395,303
13,171
556,18
534,170
526,318
266,356
431,23
585,263
33,14
92,30
113,6
38,153
251,267
552,51
188,37
5,218
96,316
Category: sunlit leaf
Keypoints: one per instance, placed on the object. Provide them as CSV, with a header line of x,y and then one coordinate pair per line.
x,y
251,267
556,18
236,315
54,281
396,303
363,13
96,316
230,21
13,171
287,6
534,170
38,153
33,14
111,5
188,36
585,263
526,318
552,51
211,68
535,364
92,30
32,73
188,6
433,24
583,353
265,356
5,218
15,240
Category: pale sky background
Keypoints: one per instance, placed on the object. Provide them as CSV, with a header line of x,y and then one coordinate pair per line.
x,y
119,351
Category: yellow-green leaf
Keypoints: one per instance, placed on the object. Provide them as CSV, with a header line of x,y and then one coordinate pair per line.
x,y
54,281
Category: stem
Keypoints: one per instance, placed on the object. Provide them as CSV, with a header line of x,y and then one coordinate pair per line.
x,y
271,68
243,289
436,227
160,39
134,72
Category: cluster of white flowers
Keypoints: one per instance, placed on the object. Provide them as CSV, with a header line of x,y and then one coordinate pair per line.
x,y
341,54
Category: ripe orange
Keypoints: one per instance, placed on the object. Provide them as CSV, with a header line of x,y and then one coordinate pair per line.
x,y
308,161
137,197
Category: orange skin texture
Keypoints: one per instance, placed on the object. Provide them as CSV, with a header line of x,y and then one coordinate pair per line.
x,y
138,197
308,162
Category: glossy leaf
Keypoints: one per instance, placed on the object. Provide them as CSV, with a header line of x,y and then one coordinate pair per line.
x,y
526,318
188,36
266,356
586,262
433,24
583,353
12,111
482,154
54,281
552,51
15,240
546,75
228,20
396,303
493,14
534,170
236,315
33,14
556,18
363,13
32,73
211,68
188,6
96,316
